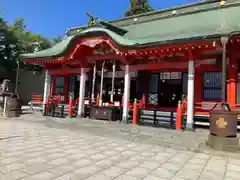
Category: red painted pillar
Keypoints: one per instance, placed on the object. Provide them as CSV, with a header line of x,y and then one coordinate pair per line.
x,y
66,88
231,85
53,84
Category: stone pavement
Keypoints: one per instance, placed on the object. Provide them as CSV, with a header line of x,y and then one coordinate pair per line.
x,y
31,148
141,134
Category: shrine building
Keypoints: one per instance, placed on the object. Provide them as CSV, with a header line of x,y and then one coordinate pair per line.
x,y
190,51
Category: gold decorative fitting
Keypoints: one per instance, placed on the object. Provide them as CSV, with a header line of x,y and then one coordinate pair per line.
x,y
214,43
222,3
174,12
199,47
221,123
193,47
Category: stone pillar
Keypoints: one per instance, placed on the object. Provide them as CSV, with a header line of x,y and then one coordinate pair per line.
x,y
190,95
93,83
101,85
126,94
46,89
113,78
81,92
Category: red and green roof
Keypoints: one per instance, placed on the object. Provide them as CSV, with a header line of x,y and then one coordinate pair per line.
x,y
199,21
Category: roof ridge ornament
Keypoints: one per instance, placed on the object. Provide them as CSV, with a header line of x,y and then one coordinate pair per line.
x,y
222,3
92,20
97,22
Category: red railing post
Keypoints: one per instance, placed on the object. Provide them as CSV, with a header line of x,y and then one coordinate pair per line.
x,y
98,99
143,100
179,116
134,120
122,100
70,108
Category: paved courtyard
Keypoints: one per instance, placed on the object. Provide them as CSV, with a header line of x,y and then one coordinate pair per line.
x,y
35,147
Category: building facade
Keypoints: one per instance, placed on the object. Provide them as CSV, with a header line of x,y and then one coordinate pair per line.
x,y
191,50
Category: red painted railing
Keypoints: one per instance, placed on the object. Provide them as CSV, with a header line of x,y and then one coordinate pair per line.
x,y
203,108
36,99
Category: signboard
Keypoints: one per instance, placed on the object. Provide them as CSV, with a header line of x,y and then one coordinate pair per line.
x,y
102,51
205,61
170,75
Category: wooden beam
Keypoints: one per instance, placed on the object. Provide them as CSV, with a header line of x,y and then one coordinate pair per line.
x,y
64,71
103,57
171,65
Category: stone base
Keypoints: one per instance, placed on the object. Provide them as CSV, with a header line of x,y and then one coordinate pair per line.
x,y
124,120
189,127
13,113
80,116
223,143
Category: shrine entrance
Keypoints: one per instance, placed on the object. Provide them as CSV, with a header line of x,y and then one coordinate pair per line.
x,y
166,88
170,92
118,86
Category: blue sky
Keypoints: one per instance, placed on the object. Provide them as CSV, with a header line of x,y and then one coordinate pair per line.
x,y
51,18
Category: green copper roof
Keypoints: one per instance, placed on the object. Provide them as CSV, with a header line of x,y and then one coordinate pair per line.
x,y
62,47
202,21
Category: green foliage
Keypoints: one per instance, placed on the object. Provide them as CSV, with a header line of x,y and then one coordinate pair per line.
x,y
15,40
138,7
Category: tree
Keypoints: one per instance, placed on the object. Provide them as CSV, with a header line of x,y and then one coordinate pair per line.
x,y
57,39
15,40
138,7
